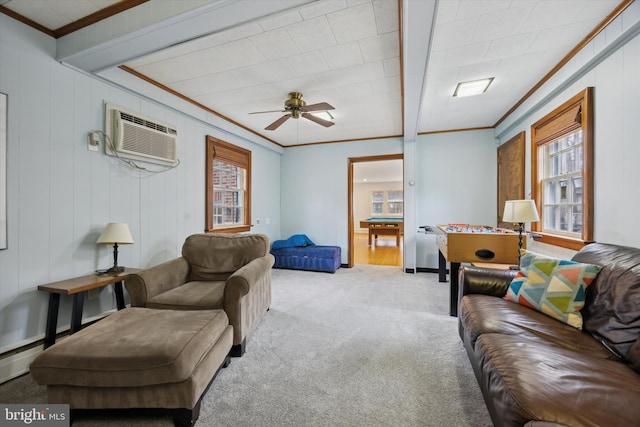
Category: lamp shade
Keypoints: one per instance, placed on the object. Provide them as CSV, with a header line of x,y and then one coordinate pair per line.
x,y
116,232
520,211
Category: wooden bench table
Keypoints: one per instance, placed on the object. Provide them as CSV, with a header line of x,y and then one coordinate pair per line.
x,y
78,287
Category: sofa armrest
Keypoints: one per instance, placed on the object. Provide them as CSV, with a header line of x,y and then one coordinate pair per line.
x,y
487,281
240,282
146,284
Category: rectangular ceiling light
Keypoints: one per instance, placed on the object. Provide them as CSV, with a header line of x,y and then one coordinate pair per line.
x,y
475,87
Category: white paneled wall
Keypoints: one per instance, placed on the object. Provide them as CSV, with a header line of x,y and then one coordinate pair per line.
x,y
315,188
455,183
617,175
61,195
617,152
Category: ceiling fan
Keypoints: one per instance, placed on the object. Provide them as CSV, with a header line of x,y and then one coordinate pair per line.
x,y
295,107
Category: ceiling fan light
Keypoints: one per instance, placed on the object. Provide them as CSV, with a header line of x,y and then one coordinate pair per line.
x,y
296,107
475,87
324,115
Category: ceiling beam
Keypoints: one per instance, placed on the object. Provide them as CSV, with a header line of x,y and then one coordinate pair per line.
x,y
111,52
417,31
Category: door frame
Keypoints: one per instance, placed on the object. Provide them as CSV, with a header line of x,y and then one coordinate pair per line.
x,y
350,162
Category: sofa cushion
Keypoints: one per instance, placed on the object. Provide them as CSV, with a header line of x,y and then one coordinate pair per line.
x,y
196,295
216,256
483,314
612,311
528,380
552,286
132,347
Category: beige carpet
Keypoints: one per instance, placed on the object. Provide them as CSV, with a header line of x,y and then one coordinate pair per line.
x,y
367,346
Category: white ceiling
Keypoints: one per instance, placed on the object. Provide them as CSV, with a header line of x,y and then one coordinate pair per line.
x,y
343,53
347,53
378,171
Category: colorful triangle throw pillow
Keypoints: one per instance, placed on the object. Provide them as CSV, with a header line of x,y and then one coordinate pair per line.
x,y
553,286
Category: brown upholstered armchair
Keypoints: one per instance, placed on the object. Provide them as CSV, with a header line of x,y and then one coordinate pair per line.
x,y
216,271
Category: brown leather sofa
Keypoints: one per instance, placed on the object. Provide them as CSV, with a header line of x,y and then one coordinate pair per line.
x,y
535,370
231,272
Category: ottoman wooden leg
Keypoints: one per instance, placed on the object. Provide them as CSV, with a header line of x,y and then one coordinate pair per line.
x,y
186,417
239,349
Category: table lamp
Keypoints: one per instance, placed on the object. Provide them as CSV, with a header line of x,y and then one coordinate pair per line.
x,y
116,233
520,211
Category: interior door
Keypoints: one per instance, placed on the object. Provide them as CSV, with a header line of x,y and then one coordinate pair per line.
x,y
511,165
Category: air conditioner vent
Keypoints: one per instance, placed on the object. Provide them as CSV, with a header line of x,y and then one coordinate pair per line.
x,y
136,137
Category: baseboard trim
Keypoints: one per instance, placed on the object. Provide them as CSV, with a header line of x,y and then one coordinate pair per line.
x,y
429,270
411,270
17,364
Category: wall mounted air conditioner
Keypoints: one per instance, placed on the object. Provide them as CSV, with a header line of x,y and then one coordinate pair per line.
x,y
133,136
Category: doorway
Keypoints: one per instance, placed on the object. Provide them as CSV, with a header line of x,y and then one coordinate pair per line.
x,y
376,203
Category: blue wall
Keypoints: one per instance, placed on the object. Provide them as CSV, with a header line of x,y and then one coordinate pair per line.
x,y
61,195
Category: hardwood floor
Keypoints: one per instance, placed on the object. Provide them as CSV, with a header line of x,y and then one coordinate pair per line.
x,y
383,251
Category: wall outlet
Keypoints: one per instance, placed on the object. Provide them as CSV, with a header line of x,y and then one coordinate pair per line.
x,y
267,220
94,293
257,221
93,141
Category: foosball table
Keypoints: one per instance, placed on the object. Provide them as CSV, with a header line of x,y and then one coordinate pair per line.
x,y
459,243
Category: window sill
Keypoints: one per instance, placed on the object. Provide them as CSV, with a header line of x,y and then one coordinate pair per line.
x,y
561,241
234,229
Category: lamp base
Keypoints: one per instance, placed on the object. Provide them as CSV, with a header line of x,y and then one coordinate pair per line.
x,y
115,269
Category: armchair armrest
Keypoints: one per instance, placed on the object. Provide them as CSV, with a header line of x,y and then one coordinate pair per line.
x,y
247,297
240,282
487,281
153,281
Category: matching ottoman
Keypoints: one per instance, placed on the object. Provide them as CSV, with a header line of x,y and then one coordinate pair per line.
x,y
138,358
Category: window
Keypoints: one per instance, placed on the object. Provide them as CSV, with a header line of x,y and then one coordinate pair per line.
x,y
387,203
562,185
377,202
562,173
228,187
394,203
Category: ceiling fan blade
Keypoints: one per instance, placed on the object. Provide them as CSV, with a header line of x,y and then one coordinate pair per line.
x,y
272,111
318,120
275,125
321,106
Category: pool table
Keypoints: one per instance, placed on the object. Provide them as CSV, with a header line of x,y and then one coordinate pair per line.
x,y
384,226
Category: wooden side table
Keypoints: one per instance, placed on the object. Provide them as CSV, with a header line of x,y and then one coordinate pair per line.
x,y
78,287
